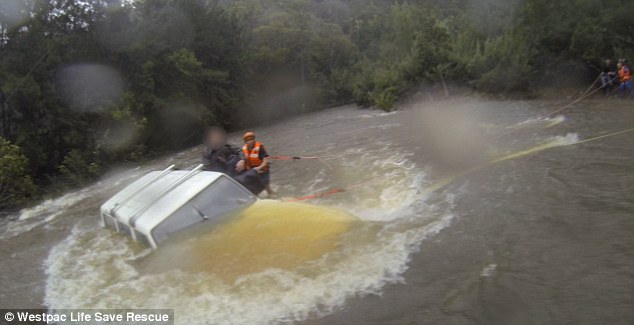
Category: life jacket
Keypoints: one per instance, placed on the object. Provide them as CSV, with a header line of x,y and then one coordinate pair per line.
x,y
252,157
625,74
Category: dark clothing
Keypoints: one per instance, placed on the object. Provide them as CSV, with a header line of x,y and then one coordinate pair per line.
x,y
250,179
230,166
609,68
211,162
608,78
266,178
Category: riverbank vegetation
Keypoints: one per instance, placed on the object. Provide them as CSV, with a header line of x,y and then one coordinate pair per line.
x,y
88,84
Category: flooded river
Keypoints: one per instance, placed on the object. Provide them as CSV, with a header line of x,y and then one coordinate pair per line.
x,y
470,212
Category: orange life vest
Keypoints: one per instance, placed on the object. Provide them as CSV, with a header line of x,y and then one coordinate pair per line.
x,y
625,74
252,157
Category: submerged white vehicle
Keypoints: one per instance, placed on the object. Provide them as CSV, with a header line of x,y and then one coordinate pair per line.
x,y
163,203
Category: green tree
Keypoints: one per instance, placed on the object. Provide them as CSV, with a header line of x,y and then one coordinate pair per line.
x,y
15,183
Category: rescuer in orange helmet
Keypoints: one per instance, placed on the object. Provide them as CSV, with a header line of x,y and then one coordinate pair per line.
x,y
256,158
625,77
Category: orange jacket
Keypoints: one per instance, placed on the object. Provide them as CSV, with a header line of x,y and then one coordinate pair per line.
x,y
252,157
625,74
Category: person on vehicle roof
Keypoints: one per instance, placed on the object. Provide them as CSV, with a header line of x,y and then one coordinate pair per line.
x,y
250,179
216,139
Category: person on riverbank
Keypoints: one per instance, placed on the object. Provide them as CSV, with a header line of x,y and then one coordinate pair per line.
x,y
625,78
609,77
216,139
255,156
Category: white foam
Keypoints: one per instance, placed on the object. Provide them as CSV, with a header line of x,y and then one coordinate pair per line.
x,y
48,210
93,268
488,270
52,206
550,122
378,114
568,139
44,212
546,121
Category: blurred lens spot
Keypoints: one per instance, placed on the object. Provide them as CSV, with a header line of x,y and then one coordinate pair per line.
x,y
120,136
13,12
89,87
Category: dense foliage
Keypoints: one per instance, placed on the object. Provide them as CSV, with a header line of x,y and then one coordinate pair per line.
x,y
86,84
15,185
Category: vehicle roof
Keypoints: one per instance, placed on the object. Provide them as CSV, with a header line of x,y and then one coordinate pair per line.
x,y
144,210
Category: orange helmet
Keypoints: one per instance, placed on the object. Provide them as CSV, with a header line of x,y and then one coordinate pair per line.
x,y
248,136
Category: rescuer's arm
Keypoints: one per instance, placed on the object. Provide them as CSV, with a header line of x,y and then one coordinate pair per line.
x,y
241,165
264,156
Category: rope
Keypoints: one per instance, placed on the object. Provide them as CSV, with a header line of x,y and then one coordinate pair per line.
x,y
603,136
449,179
336,190
581,97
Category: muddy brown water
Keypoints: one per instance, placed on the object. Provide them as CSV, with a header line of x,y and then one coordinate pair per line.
x,y
543,238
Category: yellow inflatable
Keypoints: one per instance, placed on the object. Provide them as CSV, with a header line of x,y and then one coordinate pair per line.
x,y
268,234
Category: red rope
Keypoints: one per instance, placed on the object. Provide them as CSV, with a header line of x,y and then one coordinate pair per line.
x,y
335,191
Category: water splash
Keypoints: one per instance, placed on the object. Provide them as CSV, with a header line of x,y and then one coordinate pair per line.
x,y
43,213
98,269
488,270
94,268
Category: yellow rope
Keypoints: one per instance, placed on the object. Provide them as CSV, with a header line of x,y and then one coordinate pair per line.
x,y
581,97
450,179
604,136
553,144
